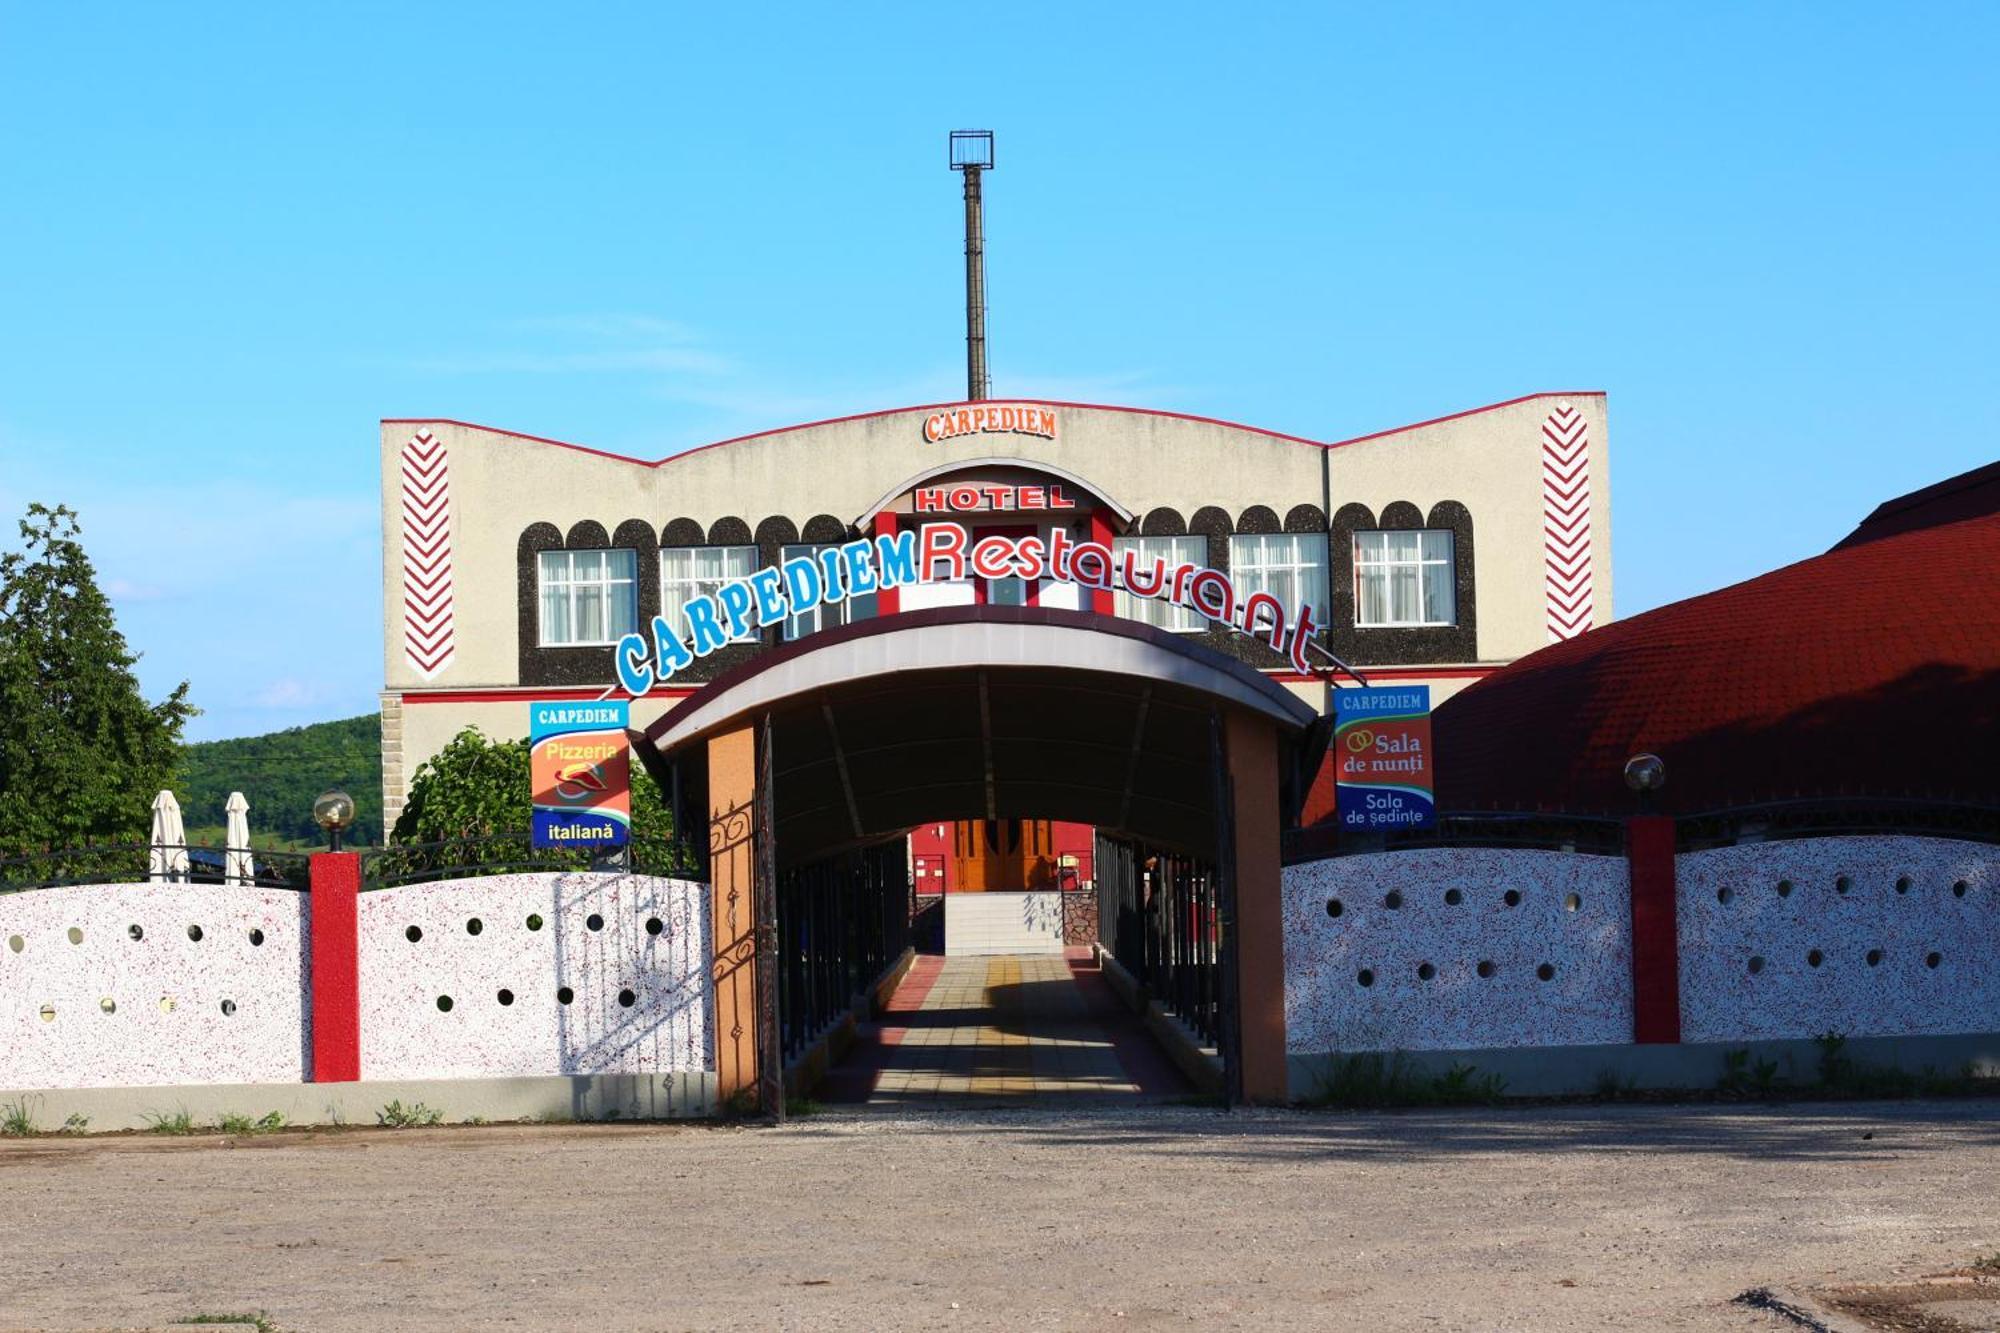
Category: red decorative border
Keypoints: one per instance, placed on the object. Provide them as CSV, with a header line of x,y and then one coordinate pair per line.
x,y
428,639
1566,522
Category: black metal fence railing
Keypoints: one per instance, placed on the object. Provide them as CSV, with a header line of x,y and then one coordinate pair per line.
x,y
503,854
1599,835
136,862
841,921
1159,913
1831,818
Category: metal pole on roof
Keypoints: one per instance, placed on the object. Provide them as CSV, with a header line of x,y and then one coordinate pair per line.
x,y
972,154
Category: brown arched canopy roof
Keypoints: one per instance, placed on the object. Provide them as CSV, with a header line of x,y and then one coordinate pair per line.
x,y
987,712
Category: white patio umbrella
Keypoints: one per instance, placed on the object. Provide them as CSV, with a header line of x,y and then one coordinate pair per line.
x,y
167,859
237,864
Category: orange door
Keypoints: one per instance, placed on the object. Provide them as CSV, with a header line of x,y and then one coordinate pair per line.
x,y
1002,855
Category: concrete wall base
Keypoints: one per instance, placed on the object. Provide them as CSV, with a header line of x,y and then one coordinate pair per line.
x,y
556,1097
1541,1071
1201,1064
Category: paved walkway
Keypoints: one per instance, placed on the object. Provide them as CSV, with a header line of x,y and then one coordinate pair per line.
x,y
996,1030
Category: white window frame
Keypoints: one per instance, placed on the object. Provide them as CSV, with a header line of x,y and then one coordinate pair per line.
x,y
1255,572
822,615
1158,612
677,590
1382,565
606,583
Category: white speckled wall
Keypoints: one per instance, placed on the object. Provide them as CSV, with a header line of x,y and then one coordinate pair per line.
x,y
1862,936
1427,952
135,985
561,974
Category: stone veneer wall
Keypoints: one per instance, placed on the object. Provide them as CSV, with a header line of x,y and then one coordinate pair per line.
x,y
547,973
134,985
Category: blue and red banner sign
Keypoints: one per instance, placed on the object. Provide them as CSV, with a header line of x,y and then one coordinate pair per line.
x,y
1382,758
581,768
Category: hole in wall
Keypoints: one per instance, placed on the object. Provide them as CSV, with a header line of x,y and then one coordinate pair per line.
x,y
16,943
1486,968
194,933
48,1013
166,1004
108,1005
505,996
1784,888
75,934
564,995
1334,907
1512,897
1573,903
654,925
1903,884
1958,888
1933,959
627,998
474,925
256,937
1874,958
1814,958
1425,971
444,1004
534,921
1841,884
1725,896
1756,964
594,921
1452,897
1392,900
136,931
228,1007
413,934
1547,971
1366,976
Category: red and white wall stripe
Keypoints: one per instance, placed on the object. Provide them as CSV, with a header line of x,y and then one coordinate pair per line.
x,y
1566,522
428,640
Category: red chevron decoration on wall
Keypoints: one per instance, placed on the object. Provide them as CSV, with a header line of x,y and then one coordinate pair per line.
x,y
1566,521
427,594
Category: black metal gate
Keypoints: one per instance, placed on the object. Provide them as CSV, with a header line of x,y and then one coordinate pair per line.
x,y
1159,912
841,922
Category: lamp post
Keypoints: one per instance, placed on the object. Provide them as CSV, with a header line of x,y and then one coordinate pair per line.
x,y
1645,774
333,811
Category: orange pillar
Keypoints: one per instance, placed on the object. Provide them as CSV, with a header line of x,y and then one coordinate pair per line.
x,y
732,875
1251,744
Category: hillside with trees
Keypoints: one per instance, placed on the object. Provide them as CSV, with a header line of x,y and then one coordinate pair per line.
x,y
280,774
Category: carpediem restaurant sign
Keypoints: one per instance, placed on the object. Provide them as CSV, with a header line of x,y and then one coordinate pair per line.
x,y
946,552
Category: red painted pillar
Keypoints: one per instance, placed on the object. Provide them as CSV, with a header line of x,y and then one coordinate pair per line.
x,y
1656,967
888,600
335,1002
1102,601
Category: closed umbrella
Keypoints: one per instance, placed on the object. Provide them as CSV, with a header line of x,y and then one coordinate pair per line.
x,y
167,859
237,865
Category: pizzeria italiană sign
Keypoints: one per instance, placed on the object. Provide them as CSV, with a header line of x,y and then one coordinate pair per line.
x,y
943,553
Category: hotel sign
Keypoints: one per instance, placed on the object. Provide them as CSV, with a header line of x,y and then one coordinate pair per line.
x,y
991,419
580,767
1382,758
966,499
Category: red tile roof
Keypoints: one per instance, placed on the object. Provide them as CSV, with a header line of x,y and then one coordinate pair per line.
x,y
1871,670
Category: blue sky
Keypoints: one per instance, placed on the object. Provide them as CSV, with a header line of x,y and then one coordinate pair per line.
x,y
238,235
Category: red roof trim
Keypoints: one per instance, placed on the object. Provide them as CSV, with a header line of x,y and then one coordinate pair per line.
x,y
525,693
929,407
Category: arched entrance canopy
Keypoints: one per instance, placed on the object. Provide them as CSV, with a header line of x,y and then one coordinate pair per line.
x,y
964,465
989,712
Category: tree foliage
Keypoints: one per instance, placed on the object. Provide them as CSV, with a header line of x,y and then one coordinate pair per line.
x,y
281,773
479,788
82,752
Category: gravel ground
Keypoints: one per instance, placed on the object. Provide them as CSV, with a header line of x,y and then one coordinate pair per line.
x,y
1164,1217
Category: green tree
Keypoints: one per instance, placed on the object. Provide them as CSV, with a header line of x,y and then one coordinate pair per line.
x,y
478,788
81,751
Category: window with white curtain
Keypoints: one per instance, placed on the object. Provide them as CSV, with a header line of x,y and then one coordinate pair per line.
x,y
688,572
1291,566
822,616
1175,552
1403,578
588,597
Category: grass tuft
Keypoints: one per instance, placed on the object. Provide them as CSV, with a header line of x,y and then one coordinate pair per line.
x,y
1374,1079
259,1321
398,1116
240,1125
16,1120
75,1123
174,1122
